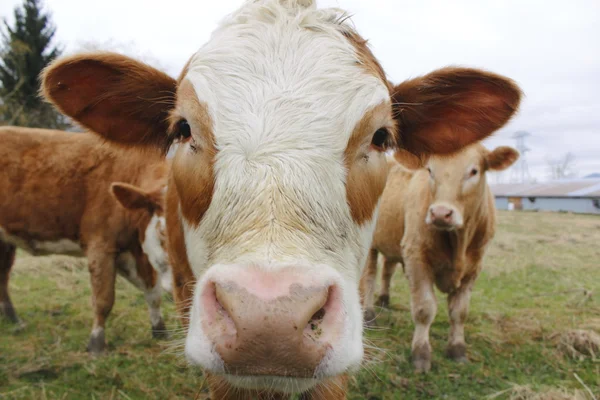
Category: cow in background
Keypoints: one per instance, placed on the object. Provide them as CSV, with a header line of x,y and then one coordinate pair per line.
x,y
437,221
73,193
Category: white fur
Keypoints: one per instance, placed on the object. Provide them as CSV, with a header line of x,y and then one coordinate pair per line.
x,y
156,253
97,331
284,102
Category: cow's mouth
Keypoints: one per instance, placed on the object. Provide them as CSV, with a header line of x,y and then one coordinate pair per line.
x,y
272,383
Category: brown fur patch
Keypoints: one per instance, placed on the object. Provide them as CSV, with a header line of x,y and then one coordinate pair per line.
x,y
193,172
183,277
365,183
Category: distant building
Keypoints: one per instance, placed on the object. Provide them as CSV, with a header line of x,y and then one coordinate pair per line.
x,y
571,195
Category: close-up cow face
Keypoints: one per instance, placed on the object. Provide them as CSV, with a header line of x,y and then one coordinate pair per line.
x,y
282,118
458,183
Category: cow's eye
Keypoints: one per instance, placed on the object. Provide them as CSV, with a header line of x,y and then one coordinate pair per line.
x,y
183,131
429,170
474,172
380,139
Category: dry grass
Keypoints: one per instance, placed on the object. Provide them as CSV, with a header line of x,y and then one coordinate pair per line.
x,y
527,393
579,343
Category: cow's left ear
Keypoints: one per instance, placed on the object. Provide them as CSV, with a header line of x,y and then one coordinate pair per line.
x,y
135,198
501,158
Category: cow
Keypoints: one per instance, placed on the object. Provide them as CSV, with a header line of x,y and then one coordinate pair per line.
x,y
437,221
70,193
282,118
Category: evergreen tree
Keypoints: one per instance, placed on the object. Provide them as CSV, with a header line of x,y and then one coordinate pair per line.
x,y
25,50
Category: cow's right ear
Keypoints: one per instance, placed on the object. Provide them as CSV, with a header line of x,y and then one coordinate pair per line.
x,y
121,99
134,198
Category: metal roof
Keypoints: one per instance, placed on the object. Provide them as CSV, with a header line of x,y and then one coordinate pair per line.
x,y
562,188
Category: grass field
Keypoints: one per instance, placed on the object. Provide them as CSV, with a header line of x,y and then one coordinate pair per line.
x,y
541,280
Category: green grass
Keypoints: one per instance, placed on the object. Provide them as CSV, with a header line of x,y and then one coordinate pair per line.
x,y
541,278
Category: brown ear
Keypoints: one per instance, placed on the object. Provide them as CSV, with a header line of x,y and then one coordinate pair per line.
x,y
125,101
451,108
501,158
135,198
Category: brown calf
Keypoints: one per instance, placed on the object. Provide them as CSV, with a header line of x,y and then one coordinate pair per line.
x,y
437,221
58,196
283,119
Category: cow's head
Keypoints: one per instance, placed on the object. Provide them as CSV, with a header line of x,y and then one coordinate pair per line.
x,y
283,118
147,207
458,183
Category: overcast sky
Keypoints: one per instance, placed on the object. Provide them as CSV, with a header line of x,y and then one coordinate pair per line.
x,y
551,48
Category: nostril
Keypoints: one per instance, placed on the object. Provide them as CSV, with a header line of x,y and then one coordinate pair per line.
x,y
318,316
314,328
449,213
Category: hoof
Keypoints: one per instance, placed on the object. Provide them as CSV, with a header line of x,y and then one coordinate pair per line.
x,y
457,352
7,311
370,318
159,331
96,344
383,301
421,358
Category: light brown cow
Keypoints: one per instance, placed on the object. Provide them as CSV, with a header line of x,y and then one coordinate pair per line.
x,y
283,120
56,198
437,221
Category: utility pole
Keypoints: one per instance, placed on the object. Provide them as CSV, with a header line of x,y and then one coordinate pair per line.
x,y
520,173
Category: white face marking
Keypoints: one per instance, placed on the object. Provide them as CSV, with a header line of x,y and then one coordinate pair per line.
x,y
155,252
284,102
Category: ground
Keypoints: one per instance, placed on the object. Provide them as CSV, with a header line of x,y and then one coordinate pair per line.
x,y
541,279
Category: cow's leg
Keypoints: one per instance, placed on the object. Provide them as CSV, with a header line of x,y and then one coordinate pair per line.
x,y
7,259
368,287
101,265
423,309
389,268
138,271
458,308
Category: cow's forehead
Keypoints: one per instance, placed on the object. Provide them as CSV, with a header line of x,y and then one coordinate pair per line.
x,y
457,162
280,65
